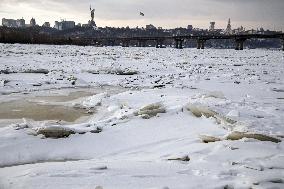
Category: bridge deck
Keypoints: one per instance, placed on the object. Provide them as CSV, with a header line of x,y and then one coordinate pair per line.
x,y
201,37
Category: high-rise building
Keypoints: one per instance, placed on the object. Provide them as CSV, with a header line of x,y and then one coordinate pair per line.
x,y
150,27
56,25
239,30
212,26
32,22
9,23
20,23
46,24
229,28
190,27
64,25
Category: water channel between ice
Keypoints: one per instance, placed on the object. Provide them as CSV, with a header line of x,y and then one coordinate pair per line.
x,y
48,107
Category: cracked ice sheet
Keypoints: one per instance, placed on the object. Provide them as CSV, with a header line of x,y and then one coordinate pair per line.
x,y
134,156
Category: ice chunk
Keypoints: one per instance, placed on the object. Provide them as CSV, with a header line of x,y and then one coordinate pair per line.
x,y
208,139
239,135
151,110
199,111
55,132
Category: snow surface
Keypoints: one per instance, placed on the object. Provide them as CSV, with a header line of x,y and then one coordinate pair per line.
x,y
246,87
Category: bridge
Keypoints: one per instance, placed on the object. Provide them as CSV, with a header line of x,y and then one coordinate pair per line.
x,y
179,40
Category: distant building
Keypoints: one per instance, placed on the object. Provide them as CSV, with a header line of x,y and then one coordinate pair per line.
x,y
9,23
239,30
190,27
228,30
56,25
212,26
85,25
150,27
252,31
46,24
64,25
261,31
92,23
32,22
20,23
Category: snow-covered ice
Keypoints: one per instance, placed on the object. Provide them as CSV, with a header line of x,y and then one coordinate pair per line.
x,y
149,108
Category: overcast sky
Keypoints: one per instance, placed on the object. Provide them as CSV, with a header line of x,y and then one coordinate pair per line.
x,y
166,13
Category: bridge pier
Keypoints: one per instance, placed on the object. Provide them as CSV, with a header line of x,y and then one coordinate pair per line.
x,y
237,45
141,43
125,43
138,44
179,43
201,43
159,43
111,43
144,43
98,43
198,44
240,44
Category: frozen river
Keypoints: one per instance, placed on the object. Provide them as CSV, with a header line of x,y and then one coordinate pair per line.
x,y
150,115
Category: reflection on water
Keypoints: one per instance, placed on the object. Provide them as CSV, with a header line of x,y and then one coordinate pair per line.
x,y
28,108
47,106
66,98
24,109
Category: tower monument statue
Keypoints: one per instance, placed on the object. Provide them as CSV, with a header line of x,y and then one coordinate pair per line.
x,y
92,23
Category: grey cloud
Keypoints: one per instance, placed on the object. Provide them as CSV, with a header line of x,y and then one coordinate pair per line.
x,y
247,11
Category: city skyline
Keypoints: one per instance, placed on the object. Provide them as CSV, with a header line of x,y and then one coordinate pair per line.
x,y
167,14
